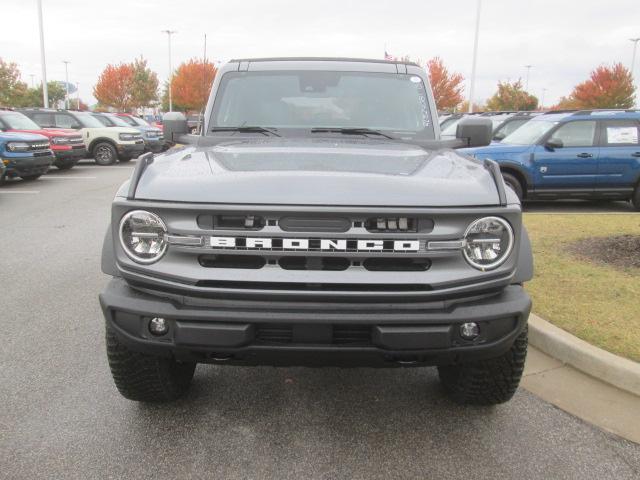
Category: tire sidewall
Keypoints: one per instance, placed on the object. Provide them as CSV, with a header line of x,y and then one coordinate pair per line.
x,y
513,183
105,154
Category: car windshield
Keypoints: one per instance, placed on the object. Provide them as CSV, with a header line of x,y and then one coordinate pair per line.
x,y
529,133
117,121
324,99
136,121
88,120
18,121
128,120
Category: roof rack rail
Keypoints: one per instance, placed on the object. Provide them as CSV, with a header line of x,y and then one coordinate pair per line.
x,y
605,110
551,112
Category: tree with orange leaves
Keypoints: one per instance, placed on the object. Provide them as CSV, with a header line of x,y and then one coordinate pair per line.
x,y
607,87
191,85
447,87
127,86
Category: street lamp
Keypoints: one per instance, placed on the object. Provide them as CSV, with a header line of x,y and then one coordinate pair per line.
x,y
66,83
45,91
169,33
526,84
544,93
475,57
633,57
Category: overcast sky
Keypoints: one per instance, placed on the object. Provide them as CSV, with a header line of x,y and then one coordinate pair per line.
x,y
563,39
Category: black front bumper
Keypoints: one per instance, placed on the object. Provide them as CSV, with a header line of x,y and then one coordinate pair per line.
x,y
292,333
131,149
75,153
28,166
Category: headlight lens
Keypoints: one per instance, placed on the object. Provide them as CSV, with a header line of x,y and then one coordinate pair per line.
x,y
142,235
127,136
18,146
488,242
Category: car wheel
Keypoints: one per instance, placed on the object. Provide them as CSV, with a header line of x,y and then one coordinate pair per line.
x,y
104,154
30,177
635,200
486,382
64,164
146,378
513,183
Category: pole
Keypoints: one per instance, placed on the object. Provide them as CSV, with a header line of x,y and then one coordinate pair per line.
x,y
544,93
66,83
475,58
45,91
526,85
33,83
169,33
78,96
633,57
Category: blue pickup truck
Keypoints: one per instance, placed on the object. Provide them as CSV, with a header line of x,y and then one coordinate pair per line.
x,y
24,155
589,154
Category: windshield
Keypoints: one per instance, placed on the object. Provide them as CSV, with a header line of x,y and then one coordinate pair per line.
x,y
311,99
18,121
135,121
529,133
87,120
117,121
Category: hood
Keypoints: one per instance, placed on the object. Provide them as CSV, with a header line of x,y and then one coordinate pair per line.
x,y
53,132
22,137
112,129
496,149
351,172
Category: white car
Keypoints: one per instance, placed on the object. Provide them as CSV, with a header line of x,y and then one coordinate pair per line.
x,y
104,144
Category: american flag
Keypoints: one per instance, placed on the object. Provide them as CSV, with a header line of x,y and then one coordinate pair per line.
x,y
389,57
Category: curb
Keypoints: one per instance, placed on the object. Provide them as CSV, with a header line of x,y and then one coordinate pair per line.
x,y
617,371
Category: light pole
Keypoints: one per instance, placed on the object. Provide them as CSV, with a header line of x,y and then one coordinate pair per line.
x,y
526,84
633,57
169,33
78,96
475,57
33,82
45,92
66,83
544,94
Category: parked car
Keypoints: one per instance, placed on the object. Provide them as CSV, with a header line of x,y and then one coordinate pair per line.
x,y
449,125
25,155
511,123
67,145
105,145
153,139
315,235
583,154
195,122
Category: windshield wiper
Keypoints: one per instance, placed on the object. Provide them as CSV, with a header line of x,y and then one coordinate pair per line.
x,y
252,129
353,131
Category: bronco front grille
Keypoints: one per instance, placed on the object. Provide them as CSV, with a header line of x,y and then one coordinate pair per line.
x,y
38,146
345,335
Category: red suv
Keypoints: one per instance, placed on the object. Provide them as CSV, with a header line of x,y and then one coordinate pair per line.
x,y
67,145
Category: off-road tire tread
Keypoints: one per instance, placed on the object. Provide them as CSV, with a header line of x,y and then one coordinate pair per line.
x,y
146,378
635,200
486,382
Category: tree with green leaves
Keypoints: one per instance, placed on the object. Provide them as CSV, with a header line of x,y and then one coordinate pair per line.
x,y
511,96
12,89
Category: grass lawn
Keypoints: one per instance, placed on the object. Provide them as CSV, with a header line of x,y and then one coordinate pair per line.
x,y
593,301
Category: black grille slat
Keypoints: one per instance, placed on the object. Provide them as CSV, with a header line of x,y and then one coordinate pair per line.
x,y
346,335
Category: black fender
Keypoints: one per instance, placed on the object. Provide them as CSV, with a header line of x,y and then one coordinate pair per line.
x,y
517,167
524,267
108,260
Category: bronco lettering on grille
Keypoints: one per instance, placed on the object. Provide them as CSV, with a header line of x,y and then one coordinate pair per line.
x,y
314,244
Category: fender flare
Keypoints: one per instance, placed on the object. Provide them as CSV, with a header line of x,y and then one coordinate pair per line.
x,y
508,165
108,259
95,141
524,266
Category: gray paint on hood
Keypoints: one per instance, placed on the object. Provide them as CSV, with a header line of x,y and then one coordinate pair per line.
x,y
319,171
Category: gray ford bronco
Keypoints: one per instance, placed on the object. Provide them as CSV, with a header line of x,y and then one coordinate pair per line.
x,y
318,219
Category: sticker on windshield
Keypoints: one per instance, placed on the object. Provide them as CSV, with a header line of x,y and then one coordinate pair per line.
x,y
622,135
415,79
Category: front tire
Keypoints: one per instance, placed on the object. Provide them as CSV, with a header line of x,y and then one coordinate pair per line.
x,y
30,178
65,164
635,200
105,154
146,378
512,182
124,159
486,382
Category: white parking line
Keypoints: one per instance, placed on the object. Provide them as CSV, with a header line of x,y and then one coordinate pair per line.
x,y
69,177
32,192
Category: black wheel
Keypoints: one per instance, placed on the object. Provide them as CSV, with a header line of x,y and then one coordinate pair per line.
x,y
635,200
486,382
514,184
124,159
64,164
30,178
145,378
105,154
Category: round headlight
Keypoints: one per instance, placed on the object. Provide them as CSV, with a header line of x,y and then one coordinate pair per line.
x,y
142,235
488,242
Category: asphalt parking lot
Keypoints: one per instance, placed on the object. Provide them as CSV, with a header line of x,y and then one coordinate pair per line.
x,y
62,417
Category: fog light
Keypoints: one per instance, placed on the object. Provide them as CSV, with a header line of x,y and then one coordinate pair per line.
x,y
158,326
469,330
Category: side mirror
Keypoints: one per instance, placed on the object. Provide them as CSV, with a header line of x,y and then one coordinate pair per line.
x,y
498,137
475,131
553,143
174,124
